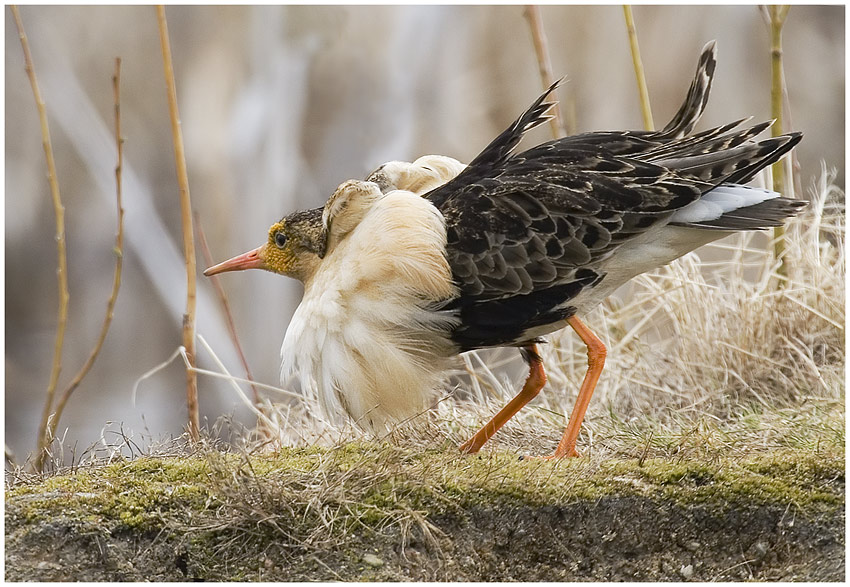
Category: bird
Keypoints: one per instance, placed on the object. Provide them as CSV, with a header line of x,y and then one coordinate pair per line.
x,y
423,261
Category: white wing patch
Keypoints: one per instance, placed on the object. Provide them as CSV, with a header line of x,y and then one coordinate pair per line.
x,y
721,200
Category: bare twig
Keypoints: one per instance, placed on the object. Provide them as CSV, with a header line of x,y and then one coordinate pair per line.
x,y
62,265
119,258
231,325
538,35
645,110
776,16
188,235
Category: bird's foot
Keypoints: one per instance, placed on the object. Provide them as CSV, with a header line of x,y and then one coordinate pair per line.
x,y
471,446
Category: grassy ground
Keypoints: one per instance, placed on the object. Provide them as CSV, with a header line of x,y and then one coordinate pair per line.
x,y
655,504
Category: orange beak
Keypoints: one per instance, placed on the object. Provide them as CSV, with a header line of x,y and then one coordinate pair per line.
x,y
249,260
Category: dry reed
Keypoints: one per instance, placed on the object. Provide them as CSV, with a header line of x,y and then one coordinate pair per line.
x,y
645,109
188,233
43,440
776,16
544,64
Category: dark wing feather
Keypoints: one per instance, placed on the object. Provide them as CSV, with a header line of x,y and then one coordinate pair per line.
x,y
500,148
498,152
542,219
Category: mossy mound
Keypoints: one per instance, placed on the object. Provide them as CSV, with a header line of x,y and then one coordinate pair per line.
x,y
376,512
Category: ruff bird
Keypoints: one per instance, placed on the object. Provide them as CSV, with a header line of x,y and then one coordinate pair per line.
x,y
427,260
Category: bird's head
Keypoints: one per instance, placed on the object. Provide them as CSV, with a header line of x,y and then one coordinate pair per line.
x,y
294,248
298,243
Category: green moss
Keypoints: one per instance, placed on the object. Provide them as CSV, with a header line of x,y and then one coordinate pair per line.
x,y
799,478
132,494
369,485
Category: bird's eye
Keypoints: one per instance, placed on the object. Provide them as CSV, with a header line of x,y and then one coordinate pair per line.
x,y
280,239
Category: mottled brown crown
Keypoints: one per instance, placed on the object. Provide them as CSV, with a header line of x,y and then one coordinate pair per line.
x,y
306,227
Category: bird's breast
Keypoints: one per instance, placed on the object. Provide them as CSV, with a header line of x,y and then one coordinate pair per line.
x,y
362,340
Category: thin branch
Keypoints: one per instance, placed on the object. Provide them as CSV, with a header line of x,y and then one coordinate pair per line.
x,y
541,48
62,266
231,325
776,15
645,109
188,235
270,429
119,258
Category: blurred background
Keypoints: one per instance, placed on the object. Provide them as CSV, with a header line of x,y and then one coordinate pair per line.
x,y
278,106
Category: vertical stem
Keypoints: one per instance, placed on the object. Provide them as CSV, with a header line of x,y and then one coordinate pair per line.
x,y
645,110
188,234
541,48
43,440
119,259
777,16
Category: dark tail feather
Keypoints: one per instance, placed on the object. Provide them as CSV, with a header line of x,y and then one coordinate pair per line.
x,y
771,150
692,108
728,163
759,216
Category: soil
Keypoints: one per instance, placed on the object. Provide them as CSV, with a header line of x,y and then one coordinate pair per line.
x,y
613,539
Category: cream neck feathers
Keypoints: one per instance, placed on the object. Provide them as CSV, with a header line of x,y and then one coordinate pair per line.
x,y
360,341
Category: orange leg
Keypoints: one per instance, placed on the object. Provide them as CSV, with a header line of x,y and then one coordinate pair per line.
x,y
535,382
596,352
